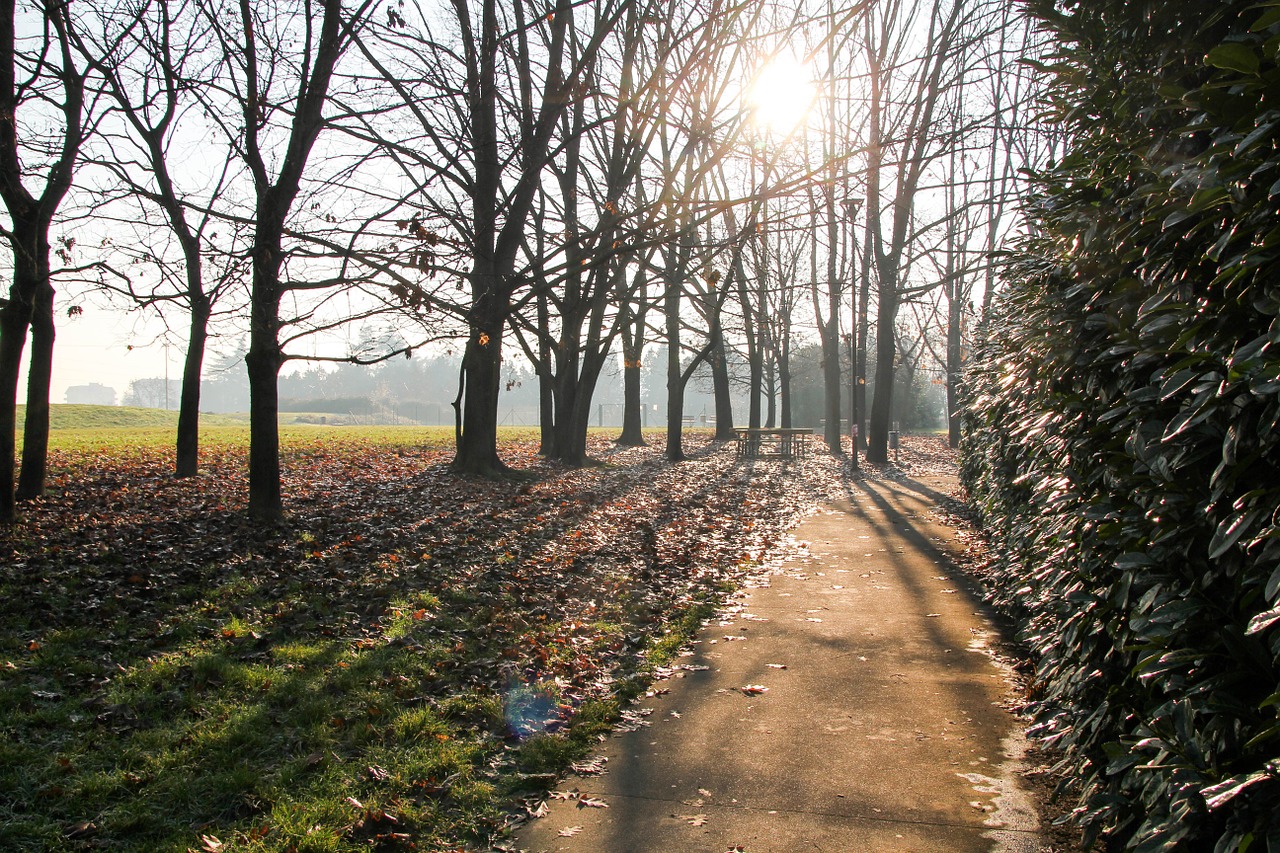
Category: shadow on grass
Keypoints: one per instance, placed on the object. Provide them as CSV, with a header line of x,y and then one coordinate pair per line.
x,y
389,670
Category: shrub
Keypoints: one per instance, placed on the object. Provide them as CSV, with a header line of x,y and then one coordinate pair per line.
x,y
1123,433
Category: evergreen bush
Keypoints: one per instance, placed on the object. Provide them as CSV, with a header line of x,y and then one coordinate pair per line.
x,y
1123,432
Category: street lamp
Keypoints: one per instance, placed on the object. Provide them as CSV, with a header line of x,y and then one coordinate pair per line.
x,y
852,205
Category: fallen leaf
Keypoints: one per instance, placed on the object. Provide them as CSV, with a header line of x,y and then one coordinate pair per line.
x,y
754,689
776,665
211,844
592,803
694,819
589,768
569,831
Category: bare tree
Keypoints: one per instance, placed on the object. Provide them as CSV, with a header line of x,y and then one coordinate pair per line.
x,y
280,63
43,123
904,138
150,58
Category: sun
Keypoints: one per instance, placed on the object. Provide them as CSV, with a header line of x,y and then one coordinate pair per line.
x,y
782,94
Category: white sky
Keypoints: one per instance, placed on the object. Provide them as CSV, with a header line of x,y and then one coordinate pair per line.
x,y
94,347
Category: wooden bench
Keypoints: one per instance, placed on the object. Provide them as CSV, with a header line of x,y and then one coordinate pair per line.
x,y
784,443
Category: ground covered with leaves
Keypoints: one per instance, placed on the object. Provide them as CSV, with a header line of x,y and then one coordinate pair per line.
x,y
395,669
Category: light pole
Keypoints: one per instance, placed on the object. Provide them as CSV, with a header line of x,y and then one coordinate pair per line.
x,y
852,205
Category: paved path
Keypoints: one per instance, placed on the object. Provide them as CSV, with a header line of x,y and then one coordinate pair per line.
x,y
884,732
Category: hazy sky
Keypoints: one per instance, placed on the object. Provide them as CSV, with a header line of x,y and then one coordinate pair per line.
x,y
94,347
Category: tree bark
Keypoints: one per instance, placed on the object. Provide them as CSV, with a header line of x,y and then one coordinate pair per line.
x,y
15,316
632,363
546,381
720,385
886,347
477,453
188,445
675,383
35,432
784,378
263,362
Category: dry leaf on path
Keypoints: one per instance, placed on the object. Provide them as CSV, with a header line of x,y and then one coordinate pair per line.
x,y
569,831
754,689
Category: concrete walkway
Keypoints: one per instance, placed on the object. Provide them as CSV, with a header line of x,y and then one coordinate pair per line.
x,y
881,728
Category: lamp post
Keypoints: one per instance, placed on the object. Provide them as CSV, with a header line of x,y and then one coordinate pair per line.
x,y
852,205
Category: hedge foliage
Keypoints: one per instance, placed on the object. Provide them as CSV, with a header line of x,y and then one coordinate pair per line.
x,y
1123,435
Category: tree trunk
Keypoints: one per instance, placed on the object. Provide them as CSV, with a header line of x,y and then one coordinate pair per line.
x,y
771,395
864,330
15,316
188,446
675,383
546,384
35,432
572,438
755,360
720,384
832,408
477,452
482,365
784,379
263,362
955,329
632,362
886,346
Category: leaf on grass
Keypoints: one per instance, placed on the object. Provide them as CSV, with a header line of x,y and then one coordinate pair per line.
x,y
211,844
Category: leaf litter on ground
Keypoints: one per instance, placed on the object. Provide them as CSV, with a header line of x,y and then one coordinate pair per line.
x,y
405,604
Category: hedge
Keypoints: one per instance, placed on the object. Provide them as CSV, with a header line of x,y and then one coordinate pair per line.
x,y
1122,437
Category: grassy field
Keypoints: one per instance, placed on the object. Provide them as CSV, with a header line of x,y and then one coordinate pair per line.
x,y
78,428
406,665
67,416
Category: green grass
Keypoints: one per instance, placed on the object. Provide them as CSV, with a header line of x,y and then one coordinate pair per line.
x,y
65,416
253,692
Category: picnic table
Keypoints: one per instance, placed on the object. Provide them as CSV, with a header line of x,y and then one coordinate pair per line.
x,y
785,443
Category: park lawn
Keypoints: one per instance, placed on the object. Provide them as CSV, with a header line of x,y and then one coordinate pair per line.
x,y
405,665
